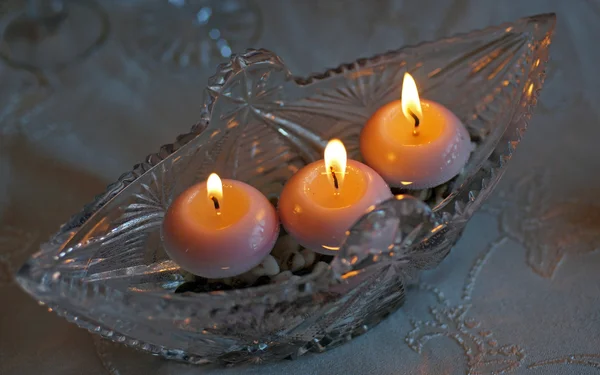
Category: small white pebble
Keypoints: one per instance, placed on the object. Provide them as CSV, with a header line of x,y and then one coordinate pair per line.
x,y
248,277
441,189
309,257
258,271
298,262
271,266
319,267
424,194
283,276
294,278
294,261
285,244
268,267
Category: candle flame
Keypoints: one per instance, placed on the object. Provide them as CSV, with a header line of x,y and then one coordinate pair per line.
x,y
411,104
214,189
335,162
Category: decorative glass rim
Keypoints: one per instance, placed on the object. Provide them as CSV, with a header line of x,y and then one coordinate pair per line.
x,y
305,285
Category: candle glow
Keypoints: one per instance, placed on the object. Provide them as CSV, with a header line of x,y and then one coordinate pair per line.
x,y
314,208
411,104
335,163
415,143
212,240
214,190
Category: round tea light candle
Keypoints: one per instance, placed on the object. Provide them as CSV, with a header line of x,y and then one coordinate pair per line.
x,y
220,228
322,200
415,144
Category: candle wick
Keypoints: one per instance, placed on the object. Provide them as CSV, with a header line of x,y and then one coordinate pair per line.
x,y
335,180
417,122
216,204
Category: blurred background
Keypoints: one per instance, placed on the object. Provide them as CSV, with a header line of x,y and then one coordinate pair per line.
x,y
89,88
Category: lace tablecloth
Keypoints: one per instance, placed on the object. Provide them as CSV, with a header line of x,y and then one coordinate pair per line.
x,y
519,294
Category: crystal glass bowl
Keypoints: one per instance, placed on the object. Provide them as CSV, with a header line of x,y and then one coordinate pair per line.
x,y
106,269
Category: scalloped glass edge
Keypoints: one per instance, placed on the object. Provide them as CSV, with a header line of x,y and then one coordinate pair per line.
x,y
39,280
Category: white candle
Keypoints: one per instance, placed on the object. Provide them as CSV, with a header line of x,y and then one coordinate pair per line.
x,y
322,200
415,144
220,229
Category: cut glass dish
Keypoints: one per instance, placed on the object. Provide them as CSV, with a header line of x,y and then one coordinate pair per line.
x,y
106,269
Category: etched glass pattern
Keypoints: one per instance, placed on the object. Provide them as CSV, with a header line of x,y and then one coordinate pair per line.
x,y
106,269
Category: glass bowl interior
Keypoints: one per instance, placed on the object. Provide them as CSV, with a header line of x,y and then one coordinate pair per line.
x,y
260,124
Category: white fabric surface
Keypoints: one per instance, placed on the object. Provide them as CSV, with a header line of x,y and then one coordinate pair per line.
x,y
534,301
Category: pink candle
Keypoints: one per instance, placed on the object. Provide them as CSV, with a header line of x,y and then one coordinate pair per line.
x,y
324,199
220,229
415,144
